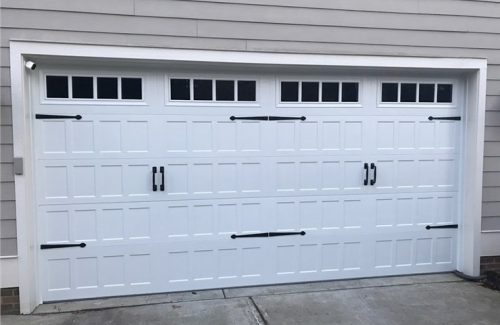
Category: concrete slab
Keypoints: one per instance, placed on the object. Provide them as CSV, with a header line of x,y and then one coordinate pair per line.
x,y
239,311
88,304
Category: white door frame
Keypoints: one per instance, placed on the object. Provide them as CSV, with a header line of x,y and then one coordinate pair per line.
x,y
20,51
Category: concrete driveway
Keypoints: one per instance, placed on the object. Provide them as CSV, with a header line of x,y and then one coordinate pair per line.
x,y
420,299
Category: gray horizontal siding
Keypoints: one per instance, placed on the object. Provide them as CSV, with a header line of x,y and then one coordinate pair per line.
x,y
429,28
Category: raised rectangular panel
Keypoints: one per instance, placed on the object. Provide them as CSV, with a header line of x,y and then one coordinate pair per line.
x,y
138,180
85,225
353,135
286,176
445,209
138,223
226,178
406,173
446,173
286,259
447,135
308,139
176,179
354,175
84,181
59,274
353,213
331,175
54,137
425,210
251,217
110,224
287,217
175,136
285,136
228,263
251,176
248,136
406,135
112,271
309,258
443,250
203,265
426,173
227,218
385,135
226,136
136,136
331,214
178,270
201,136
383,253
330,257
426,135
252,260
310,215
331,136
177,221
351,256
201,178
86,272
109,180
82,137
385,174
57,226
109,136
56,182
139,269
403,252
423,251
405,211
202,220
309,176
385,212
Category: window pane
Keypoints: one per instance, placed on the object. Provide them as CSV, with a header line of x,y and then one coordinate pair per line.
x,y
107,88
426,93
310,91
445,93
408,93
224,89
330,92
179,89
202,89
389,92
57,86
131,88
349,91
289,91
246,90
83,87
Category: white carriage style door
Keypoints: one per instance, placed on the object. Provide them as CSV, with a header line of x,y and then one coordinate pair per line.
x,y
152,182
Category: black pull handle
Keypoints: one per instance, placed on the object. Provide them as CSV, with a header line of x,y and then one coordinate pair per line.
x,y
284,233
374,180
365,182
449,118
155,187
50,246
251,118
284,118
440,227
260,234
162,172
56,117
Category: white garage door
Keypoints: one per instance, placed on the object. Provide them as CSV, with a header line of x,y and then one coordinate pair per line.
x,y
180,181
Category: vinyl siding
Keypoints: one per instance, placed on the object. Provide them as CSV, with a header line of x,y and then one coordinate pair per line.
x,y
429,28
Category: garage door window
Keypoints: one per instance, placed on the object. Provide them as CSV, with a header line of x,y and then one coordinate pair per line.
x,y
319,92
427,93
212,90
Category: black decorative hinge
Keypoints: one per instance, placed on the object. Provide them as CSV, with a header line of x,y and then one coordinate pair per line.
x,y
449,118
270,234
50,246
57,117
441,227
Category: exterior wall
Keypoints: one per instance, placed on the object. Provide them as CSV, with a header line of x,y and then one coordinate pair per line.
x,y
447,28
9,301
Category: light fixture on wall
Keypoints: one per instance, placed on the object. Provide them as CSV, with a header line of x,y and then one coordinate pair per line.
x,y
30,65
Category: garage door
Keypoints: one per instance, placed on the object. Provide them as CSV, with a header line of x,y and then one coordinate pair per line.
x,y
158,181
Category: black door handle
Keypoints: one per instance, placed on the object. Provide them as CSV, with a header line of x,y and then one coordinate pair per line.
x,y
365,182
155,187
56,117
374,180
162,172
50,246
284,118
446,118
441,227
251,118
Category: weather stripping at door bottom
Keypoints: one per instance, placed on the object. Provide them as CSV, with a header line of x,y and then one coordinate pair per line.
x,y
441,227
270,234
50,246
